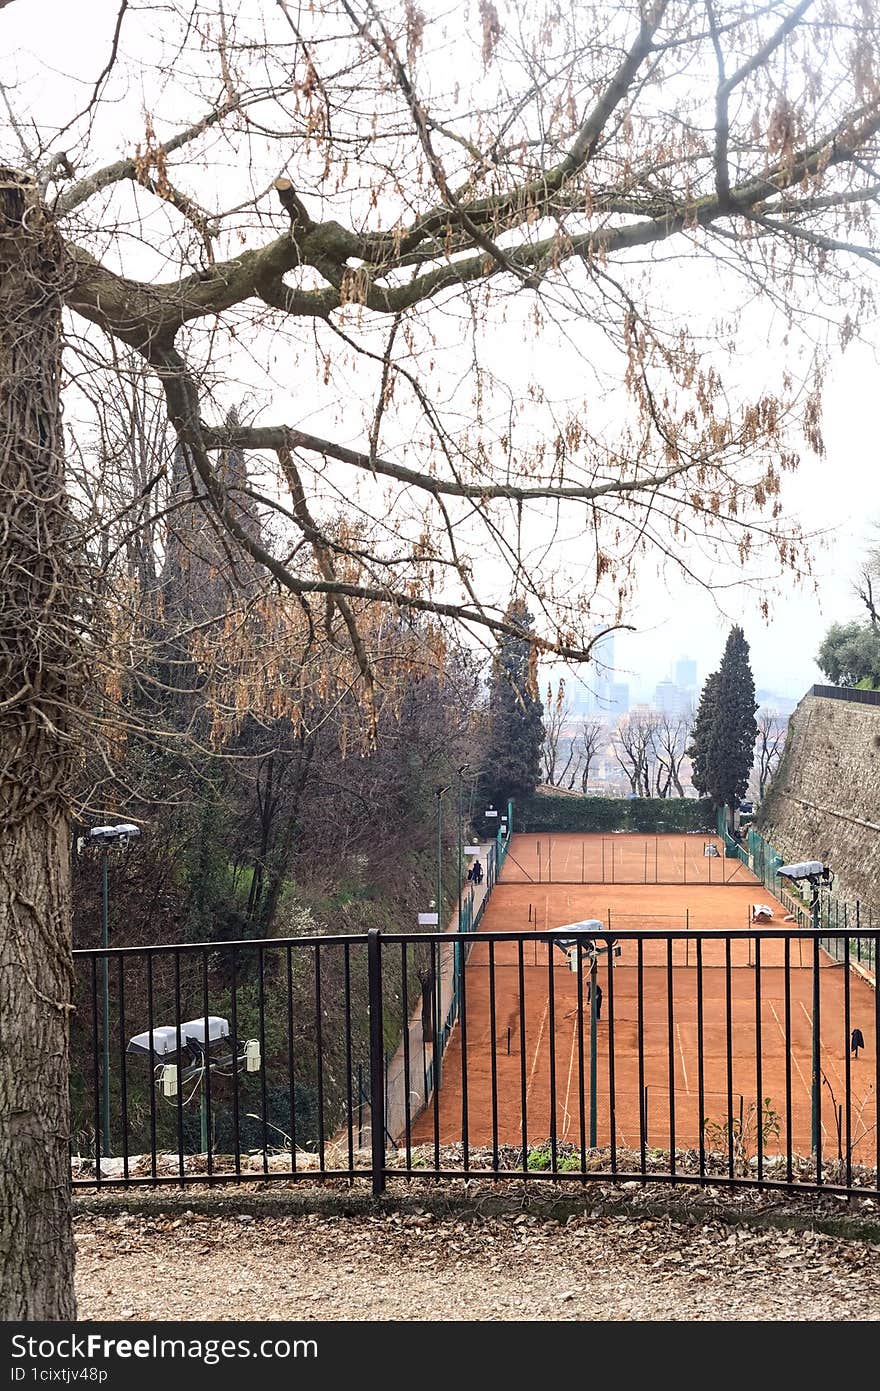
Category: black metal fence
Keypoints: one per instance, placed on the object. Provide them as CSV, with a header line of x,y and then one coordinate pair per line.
x,y
846,693
657,1056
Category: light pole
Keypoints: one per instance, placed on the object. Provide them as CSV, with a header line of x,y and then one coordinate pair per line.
x,y
105,837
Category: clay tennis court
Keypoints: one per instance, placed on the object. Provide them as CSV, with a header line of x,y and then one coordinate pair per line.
x,y
621,858
528,1043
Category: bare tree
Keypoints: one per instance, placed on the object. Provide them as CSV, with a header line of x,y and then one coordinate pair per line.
x,y
768,748
557,716
316,229
670,747
593,737
633,746
867,585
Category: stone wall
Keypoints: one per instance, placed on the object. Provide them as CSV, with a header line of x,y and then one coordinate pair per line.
x,y
824,802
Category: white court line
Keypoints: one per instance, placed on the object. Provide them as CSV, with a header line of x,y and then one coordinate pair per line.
x,y
537,1050
681,1053
793,1056
566,1114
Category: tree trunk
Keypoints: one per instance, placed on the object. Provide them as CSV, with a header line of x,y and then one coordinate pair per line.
x,y
39,671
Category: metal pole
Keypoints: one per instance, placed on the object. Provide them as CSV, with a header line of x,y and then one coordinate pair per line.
x,y
816,1079
105,942
594,966
458,775
377,1080
204,1117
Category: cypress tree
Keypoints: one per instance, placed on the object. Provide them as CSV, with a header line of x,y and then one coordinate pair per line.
x,y
699,746
515,727
730,746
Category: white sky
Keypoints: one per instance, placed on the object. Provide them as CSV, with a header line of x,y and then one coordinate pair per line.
x,y
838,495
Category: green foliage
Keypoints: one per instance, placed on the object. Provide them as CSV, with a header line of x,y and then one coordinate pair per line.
x,y
511,764
739,1134
723,744
850,655
540,1158
646,814
698,751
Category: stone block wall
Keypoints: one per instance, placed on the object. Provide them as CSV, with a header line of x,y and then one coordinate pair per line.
x,y
824,802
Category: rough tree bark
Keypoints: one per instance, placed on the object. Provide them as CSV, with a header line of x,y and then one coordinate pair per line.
x,y
39,666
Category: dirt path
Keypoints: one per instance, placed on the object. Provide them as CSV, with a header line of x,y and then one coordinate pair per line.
x,y
424,1267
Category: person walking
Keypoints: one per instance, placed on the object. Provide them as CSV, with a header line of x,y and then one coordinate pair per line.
x,y
478,872
598,998
856,1042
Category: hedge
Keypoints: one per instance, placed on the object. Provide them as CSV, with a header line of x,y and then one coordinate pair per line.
x,y
654,814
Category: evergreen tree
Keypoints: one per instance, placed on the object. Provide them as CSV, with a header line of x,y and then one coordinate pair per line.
x,y
730,745
511,765
705,717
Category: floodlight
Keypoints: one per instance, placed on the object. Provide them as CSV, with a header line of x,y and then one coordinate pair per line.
x,y
165,1041
114,835
807,869
193,1030
567,942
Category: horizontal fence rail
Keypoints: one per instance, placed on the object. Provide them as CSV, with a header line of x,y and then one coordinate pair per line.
x,y
747,1057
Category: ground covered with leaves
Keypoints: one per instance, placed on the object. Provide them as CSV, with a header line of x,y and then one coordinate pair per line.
x,y
423,1263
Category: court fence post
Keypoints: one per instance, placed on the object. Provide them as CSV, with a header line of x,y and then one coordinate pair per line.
x,y
377,1080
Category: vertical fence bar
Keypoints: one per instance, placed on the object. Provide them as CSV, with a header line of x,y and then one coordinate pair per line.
x,y
582,1110
404,995
817,1060
493,1059
435,1065
759,1081
264,1105
179,1041
151,1023
847,1100
671,1046
465,1136
349,1106
206,1079
123,1079
612,1090
96,1070
640,998
377,1059
701,1079
876,944
727,998
319,1059
788,1137
236,1120
522,1058
292,1057
551,1003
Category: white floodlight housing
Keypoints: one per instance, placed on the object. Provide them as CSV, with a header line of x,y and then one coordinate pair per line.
x,y
807,869
193,1030
567,942
164,1041
114,835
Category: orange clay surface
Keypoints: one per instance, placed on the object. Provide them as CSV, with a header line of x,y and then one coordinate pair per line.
x,y
617,857
542,1037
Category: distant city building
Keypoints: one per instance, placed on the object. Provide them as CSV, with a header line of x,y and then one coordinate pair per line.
x,y
685,673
